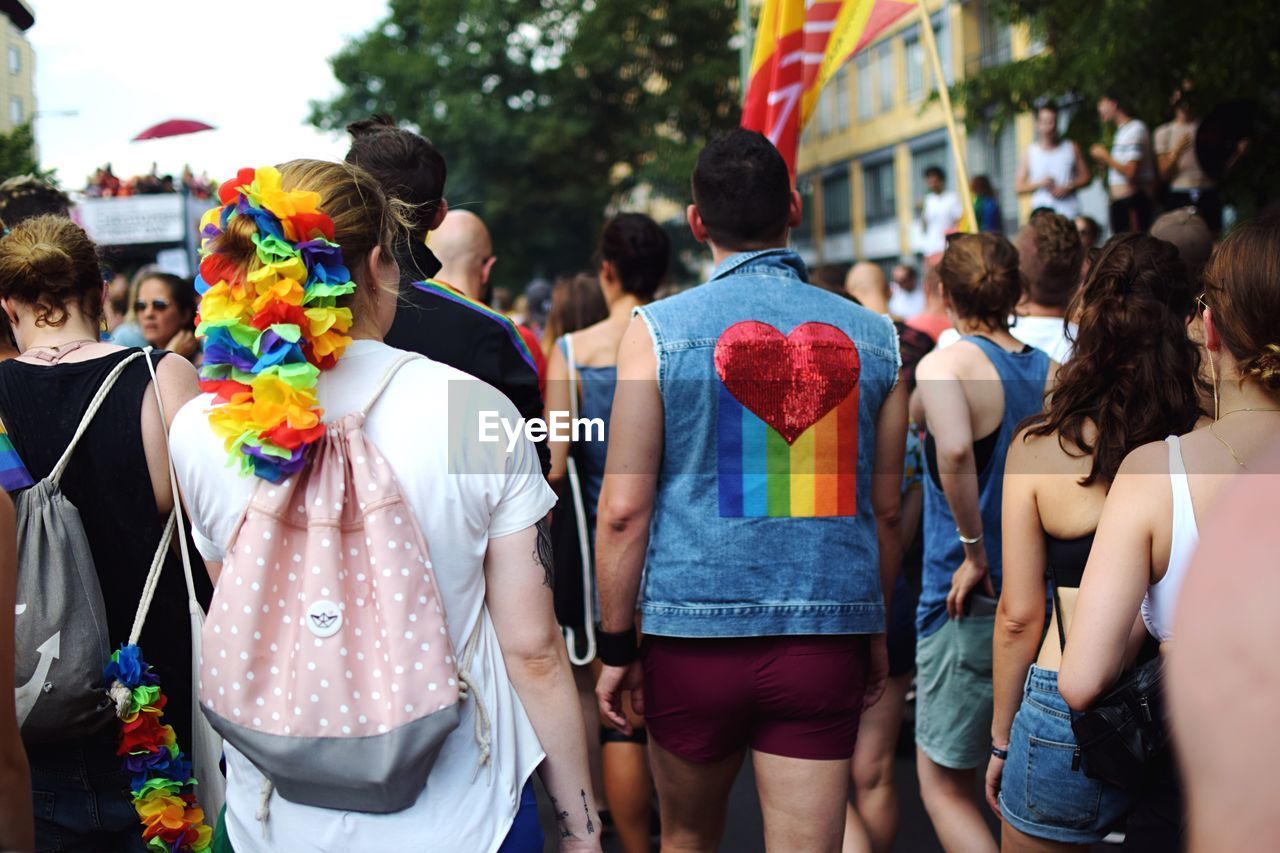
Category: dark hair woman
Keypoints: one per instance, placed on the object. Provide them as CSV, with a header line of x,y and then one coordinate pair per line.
x,y
1130,382
1149,527
971,396
118,479
634,253
165,306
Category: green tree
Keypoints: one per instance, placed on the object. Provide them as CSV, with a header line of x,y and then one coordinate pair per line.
x,y
18,153
548,111
1142,50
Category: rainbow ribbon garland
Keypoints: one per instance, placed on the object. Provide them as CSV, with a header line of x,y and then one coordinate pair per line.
x,y
269,331
163,787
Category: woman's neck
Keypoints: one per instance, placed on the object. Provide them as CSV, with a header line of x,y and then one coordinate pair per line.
x,y
1234,395
977,327
623,304
76,328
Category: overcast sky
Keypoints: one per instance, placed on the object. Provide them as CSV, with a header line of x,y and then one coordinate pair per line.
x,y
248,67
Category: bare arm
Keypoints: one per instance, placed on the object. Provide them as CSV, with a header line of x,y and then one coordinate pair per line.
x,y
886,486
1020,613
178,385
946,411
1115,579
16,829
518,594
1082,177
557,400
626,505
1022,182
1167,163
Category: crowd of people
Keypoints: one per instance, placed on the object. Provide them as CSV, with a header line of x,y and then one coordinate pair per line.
x,y
981,479
104,183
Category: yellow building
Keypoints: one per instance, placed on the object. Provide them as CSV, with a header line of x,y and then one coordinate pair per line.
x,y
17,79
862,154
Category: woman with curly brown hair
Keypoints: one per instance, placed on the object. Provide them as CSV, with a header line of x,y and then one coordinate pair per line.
x,y
1132,381
1149,527
972,396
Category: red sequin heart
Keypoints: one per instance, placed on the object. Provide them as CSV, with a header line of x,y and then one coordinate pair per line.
x,y
791,381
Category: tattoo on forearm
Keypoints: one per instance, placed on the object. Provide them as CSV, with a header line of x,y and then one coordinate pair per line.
x,y
543,554
591,828
562,819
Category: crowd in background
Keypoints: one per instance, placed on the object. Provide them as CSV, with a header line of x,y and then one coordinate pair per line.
x,y
105,184
1031,434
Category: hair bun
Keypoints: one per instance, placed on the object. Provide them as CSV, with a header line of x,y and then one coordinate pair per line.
x,y
377,123
1265,367
48,261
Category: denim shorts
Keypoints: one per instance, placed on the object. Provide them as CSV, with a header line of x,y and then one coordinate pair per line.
x,y
953,693
1040,794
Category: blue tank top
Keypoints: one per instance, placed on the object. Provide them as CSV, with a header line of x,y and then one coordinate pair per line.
x,y
597,384
1022,376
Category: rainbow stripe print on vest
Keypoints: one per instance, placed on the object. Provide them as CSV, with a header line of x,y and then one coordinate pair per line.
x,y
787,421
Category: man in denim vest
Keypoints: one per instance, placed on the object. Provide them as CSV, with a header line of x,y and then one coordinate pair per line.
x,y
753,480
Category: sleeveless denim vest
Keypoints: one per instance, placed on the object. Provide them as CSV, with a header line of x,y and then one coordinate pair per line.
x,y
1022,375
762,522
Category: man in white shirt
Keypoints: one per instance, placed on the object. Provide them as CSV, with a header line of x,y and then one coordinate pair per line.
x,y
1130,167
906,296
940,212
1052,168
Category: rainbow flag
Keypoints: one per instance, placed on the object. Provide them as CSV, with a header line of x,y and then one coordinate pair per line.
x,y
761,476
800,44
13,474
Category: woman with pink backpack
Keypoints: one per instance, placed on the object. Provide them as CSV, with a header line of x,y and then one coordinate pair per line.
x,y
381,655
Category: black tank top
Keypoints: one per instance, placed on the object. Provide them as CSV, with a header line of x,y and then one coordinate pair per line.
x,y
108,482
1066,559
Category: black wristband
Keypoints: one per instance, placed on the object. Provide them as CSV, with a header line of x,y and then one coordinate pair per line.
x,y
617,648
999,753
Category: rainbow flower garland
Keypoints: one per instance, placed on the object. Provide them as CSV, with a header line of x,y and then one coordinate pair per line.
x,y
163,787
268,332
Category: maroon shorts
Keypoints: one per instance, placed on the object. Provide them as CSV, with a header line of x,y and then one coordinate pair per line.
x,y
798,697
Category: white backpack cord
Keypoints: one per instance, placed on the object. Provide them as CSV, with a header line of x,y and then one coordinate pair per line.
x,y
467,687
386,380
584,543
95,403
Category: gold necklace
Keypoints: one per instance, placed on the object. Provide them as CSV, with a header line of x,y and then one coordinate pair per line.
x,y
1223,441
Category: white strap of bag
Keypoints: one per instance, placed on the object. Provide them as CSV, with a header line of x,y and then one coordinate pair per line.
x,y
95,403
584,543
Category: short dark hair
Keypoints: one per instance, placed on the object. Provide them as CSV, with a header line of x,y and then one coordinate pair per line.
x,y
26,196
407,166
1051,268
742,190
639,250
936,170
1122,103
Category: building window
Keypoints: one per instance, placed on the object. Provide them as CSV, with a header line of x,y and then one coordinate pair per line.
x,y
866,86
879,200
842,97
884,75
997,39
17,112
837,207
919,66
15,60
802,234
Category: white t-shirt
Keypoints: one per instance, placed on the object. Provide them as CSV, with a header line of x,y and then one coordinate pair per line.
x,y
1058,163
463,493
1131,143
906,303
941,213
1044,333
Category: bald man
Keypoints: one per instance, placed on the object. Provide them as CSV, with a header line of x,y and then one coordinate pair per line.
x,y
465,251
866,283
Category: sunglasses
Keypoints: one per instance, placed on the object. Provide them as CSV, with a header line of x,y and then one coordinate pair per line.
x,y
157,305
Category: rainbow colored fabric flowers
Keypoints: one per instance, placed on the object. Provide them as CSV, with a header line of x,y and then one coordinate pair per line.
x,y
270,329
163,787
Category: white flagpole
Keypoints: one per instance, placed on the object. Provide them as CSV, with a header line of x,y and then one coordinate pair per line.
x,y
962,173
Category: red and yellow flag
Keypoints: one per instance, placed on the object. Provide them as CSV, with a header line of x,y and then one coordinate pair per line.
x,y
800,44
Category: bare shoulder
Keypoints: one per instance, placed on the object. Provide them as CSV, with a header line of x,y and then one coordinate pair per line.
x,y
1144,461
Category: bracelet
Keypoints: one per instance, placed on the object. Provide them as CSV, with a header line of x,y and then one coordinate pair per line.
x,y
617,648
969,540
1002,754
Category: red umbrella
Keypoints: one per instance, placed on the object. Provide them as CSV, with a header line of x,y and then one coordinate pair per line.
x,y
173,127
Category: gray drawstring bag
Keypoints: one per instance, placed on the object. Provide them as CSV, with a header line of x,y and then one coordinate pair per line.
x,y
61,623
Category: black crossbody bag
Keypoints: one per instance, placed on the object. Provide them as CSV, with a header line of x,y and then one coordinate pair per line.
x,y
1121,737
